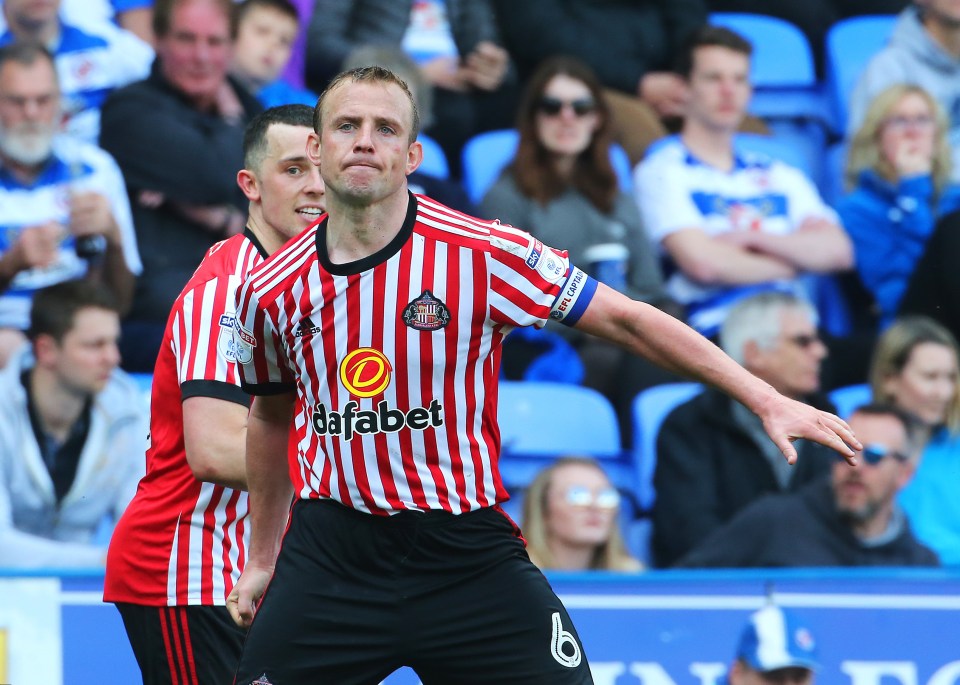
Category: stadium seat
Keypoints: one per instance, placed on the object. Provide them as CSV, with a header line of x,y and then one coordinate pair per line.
x,y
782,71
540,421
650,408
849,397
788,147
434,159
486,154
835,162
850,43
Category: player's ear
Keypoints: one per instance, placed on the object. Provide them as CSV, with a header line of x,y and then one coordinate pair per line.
x,y
313,148
248,184
414,156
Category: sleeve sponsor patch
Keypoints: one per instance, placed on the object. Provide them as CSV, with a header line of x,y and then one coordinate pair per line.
x,y
237,344
547,262
574,297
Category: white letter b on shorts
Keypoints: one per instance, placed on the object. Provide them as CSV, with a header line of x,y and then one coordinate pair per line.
x,y
562,642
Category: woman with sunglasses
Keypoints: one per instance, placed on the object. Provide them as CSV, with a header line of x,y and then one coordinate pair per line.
x,y
570,519
562,188
915,367
898,171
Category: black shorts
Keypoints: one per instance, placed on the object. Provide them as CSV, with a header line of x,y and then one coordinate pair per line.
x,y
456,598
183,645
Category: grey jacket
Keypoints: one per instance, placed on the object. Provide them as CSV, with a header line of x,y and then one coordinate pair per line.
x,y
35,529
570,222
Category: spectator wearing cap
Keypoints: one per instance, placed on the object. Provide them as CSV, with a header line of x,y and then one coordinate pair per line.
x,y
849,519
775,648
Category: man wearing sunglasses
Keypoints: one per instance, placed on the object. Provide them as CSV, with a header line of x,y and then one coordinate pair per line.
x,y
713,456
848,519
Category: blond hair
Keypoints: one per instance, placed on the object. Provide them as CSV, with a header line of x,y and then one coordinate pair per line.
x,y
892,353
368,74
864,152
611,555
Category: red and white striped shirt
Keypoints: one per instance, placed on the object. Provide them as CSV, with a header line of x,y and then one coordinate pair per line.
x,y
396,357
183,541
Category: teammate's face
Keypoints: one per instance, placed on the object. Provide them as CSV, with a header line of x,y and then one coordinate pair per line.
x,y
567,131
195,53
29,111
364,151
792,363
287,186
926,385
719,88
578,511
264,43
866,491
89,352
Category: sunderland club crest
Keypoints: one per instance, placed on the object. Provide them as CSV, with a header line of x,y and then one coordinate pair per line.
x,y
426,313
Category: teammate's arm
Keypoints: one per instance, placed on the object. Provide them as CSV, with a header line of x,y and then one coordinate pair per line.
x,y
666,341
268,433
214,439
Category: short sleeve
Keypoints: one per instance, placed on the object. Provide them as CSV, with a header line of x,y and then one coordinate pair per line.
x,y
528,280
803,199
203,344
663,194
259,347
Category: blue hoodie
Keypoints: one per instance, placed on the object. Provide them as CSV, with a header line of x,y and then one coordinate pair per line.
x,y
889,224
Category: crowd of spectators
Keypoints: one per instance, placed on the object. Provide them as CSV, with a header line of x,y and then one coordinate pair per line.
x,y
121,128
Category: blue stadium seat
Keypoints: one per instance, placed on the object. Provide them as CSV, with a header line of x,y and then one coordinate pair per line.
x,y
850,43
650,408
540,421
434,159
849,397
782,70
486,154
835,162
788,147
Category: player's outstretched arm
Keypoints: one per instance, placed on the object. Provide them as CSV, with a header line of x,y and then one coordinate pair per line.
x,y
271,492
648,332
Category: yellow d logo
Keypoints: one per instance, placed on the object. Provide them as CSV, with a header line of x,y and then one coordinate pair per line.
x,y
365,372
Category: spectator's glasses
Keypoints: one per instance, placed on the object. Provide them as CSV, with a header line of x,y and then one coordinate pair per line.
x,y
582,496
924,122
874,454
551,107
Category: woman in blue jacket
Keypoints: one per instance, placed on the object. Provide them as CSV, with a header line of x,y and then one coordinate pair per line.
x,y
898,168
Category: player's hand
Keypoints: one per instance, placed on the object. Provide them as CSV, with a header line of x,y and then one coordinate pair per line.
x,y
243,600
787,420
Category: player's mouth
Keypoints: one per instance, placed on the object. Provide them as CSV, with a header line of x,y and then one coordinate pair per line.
x,y
310,212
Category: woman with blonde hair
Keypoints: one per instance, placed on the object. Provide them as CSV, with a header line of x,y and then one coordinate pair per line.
x,y
570,519
898,171
916,367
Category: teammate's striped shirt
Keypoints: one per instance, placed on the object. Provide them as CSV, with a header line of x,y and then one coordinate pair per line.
x,y
396,356
182,541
